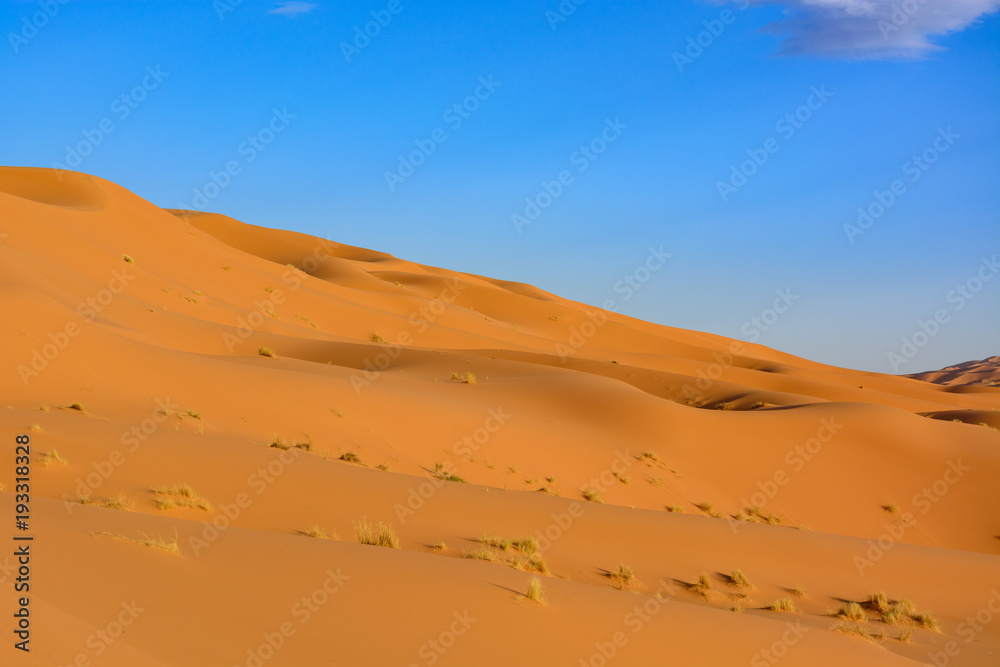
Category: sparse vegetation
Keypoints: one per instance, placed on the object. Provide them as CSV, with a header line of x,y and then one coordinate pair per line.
x,y
119,502
623,575
171,545
675,508
926,621
534,592
76,406
467,378
279,443
782,604
725,405
856,630
592,495
265,352
380,535
758,404
35,427
851,611
440,473
892,508
650,456
305,446
383,466
703,586
737,579
319,533
128,259
520,554
378,339
440,546
798,592
704,506
48,458
180,495
755,515
350,457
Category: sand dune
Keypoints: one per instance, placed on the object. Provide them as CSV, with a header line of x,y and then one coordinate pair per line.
x,y
187,377
981,372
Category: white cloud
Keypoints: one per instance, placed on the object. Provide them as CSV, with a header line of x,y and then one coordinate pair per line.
x,y
871,28
292,8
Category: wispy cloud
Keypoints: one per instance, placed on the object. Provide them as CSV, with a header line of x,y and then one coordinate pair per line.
x,y
292,8
871,28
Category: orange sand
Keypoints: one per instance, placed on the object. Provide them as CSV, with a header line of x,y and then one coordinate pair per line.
x,y
161,352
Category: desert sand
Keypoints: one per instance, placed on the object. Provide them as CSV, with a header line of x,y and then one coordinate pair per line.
x,y
214,407
982,371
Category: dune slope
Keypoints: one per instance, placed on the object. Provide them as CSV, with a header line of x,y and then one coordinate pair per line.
x,y
215,409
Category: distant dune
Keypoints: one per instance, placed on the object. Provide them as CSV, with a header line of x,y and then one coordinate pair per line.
x,y
982,372
220,413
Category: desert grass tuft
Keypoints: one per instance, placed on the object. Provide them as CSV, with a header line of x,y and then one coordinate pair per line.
x,y
482,552
319,533
467,378
76,406
737,579
856,630
265,352
128,259
925,621
782,604
851,611
48,458
119,502
378,339
798,592
623,574
877,602
592,495
279,443
350,457
379,535
171,545
440,546
180,495
534,592
675,508
703,586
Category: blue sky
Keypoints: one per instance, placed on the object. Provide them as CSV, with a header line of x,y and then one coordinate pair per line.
x,y
644,129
